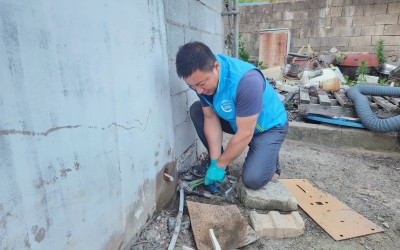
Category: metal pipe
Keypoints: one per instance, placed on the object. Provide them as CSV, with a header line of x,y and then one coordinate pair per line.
x,y
236,32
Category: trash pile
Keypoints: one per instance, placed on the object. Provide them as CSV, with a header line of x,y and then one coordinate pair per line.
x,y
314,87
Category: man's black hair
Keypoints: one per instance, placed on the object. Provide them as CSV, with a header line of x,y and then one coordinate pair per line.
x,y
194,56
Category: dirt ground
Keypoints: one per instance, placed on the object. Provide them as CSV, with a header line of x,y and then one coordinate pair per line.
x,y
366,181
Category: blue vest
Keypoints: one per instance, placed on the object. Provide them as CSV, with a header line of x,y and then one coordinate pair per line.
x,y
231,71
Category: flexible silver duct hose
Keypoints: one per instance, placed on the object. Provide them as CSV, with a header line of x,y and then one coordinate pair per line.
x,y
364,112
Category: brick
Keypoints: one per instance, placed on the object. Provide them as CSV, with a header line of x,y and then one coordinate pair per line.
x,y
298,43
363,2
284,24
277,15
184,137
388,40
288,15
281,7
178,11
276,225
385,1
335,12
342,21
314,42
393,8
348,31
337,3
387,19
361,40
353,11
363,20
375,9
392,29
306,33
334,41
372,30
313,13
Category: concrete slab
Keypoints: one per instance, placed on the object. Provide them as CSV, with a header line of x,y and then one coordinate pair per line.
x,y
334,136
273,196
276,225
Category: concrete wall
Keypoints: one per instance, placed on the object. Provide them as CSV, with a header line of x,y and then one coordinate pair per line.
x,y
348,25
91,112
194,20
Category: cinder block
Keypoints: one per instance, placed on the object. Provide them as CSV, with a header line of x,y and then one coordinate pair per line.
x,y
372,30
177,11
375,9
393,8
363,20
361,40
392,30
276,225
353,11
387,19
342,21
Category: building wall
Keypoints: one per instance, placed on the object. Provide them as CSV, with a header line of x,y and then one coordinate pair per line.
x,y
348,25
91,113
194,20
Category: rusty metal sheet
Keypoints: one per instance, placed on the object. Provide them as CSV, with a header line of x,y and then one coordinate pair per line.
x,y
273,47
230,227
336,218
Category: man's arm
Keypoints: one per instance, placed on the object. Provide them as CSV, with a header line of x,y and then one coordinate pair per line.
x,y
237,144
213,132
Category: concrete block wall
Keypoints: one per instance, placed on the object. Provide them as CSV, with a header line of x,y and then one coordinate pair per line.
x,y
186,21
92,113
348,25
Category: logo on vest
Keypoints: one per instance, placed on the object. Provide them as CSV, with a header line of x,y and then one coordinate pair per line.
x,y
226,106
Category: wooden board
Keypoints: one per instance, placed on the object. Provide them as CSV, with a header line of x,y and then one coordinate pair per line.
x,y
324,98
336,218
328,111
230,228
343,100
384,103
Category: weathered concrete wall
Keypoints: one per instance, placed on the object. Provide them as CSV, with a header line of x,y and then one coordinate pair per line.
x,y
85,122
194,20
348,25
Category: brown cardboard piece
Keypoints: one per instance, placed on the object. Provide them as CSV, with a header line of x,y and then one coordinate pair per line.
x,y
336,218
230,228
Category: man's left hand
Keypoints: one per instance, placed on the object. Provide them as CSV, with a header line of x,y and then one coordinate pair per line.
x,y
214,173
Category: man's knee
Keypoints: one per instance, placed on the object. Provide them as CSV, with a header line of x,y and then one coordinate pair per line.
x,y
195,109
253,181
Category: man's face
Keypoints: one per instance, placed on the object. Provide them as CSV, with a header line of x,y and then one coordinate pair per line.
x,y
204,82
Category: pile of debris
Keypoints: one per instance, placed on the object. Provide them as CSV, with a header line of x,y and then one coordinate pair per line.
x,y
315,88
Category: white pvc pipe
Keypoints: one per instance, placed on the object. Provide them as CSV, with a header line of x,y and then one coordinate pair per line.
x,y
178,221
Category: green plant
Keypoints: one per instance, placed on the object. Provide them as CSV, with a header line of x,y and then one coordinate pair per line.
x,y
339,59
348,81
384,82
379,51
289,105
260,65
243,53
362,70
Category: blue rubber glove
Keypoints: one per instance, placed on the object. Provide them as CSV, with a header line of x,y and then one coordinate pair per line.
x,y
214,173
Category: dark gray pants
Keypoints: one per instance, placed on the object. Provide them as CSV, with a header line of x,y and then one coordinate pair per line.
x,y
262,160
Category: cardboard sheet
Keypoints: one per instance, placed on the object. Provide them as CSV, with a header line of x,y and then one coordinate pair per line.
x,y
230,228
336,218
